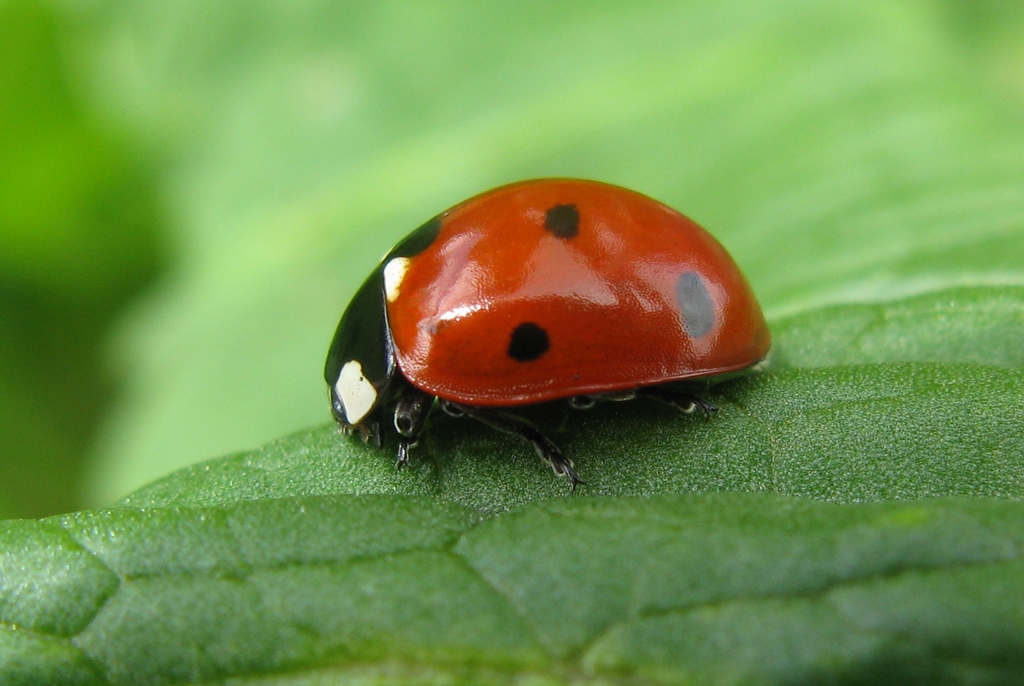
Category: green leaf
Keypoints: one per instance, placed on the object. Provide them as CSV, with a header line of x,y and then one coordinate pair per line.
x,y
313,558
398,589
983,324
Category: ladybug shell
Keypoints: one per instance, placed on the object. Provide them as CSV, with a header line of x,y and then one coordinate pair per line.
x,y
553,288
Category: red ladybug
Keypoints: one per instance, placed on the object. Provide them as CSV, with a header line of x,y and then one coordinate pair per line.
x,y
539,291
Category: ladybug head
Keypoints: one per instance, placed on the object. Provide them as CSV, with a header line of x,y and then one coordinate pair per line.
x,y
361,363
360,370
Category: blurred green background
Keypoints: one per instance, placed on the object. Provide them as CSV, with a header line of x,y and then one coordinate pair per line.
x,y
191,191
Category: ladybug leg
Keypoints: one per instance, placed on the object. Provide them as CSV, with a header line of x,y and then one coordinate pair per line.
x,y
679,398
370,432
411,409
517,426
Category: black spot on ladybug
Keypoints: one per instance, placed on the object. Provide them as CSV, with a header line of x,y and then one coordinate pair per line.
x,y
528,342
696,305
563,221
419,240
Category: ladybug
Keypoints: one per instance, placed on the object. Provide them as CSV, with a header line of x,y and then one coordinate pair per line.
x,y
538,291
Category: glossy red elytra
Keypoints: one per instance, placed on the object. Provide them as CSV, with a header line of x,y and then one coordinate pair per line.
x,y
539,291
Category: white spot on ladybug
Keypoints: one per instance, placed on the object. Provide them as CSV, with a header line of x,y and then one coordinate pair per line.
x,y
357,394
394,273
